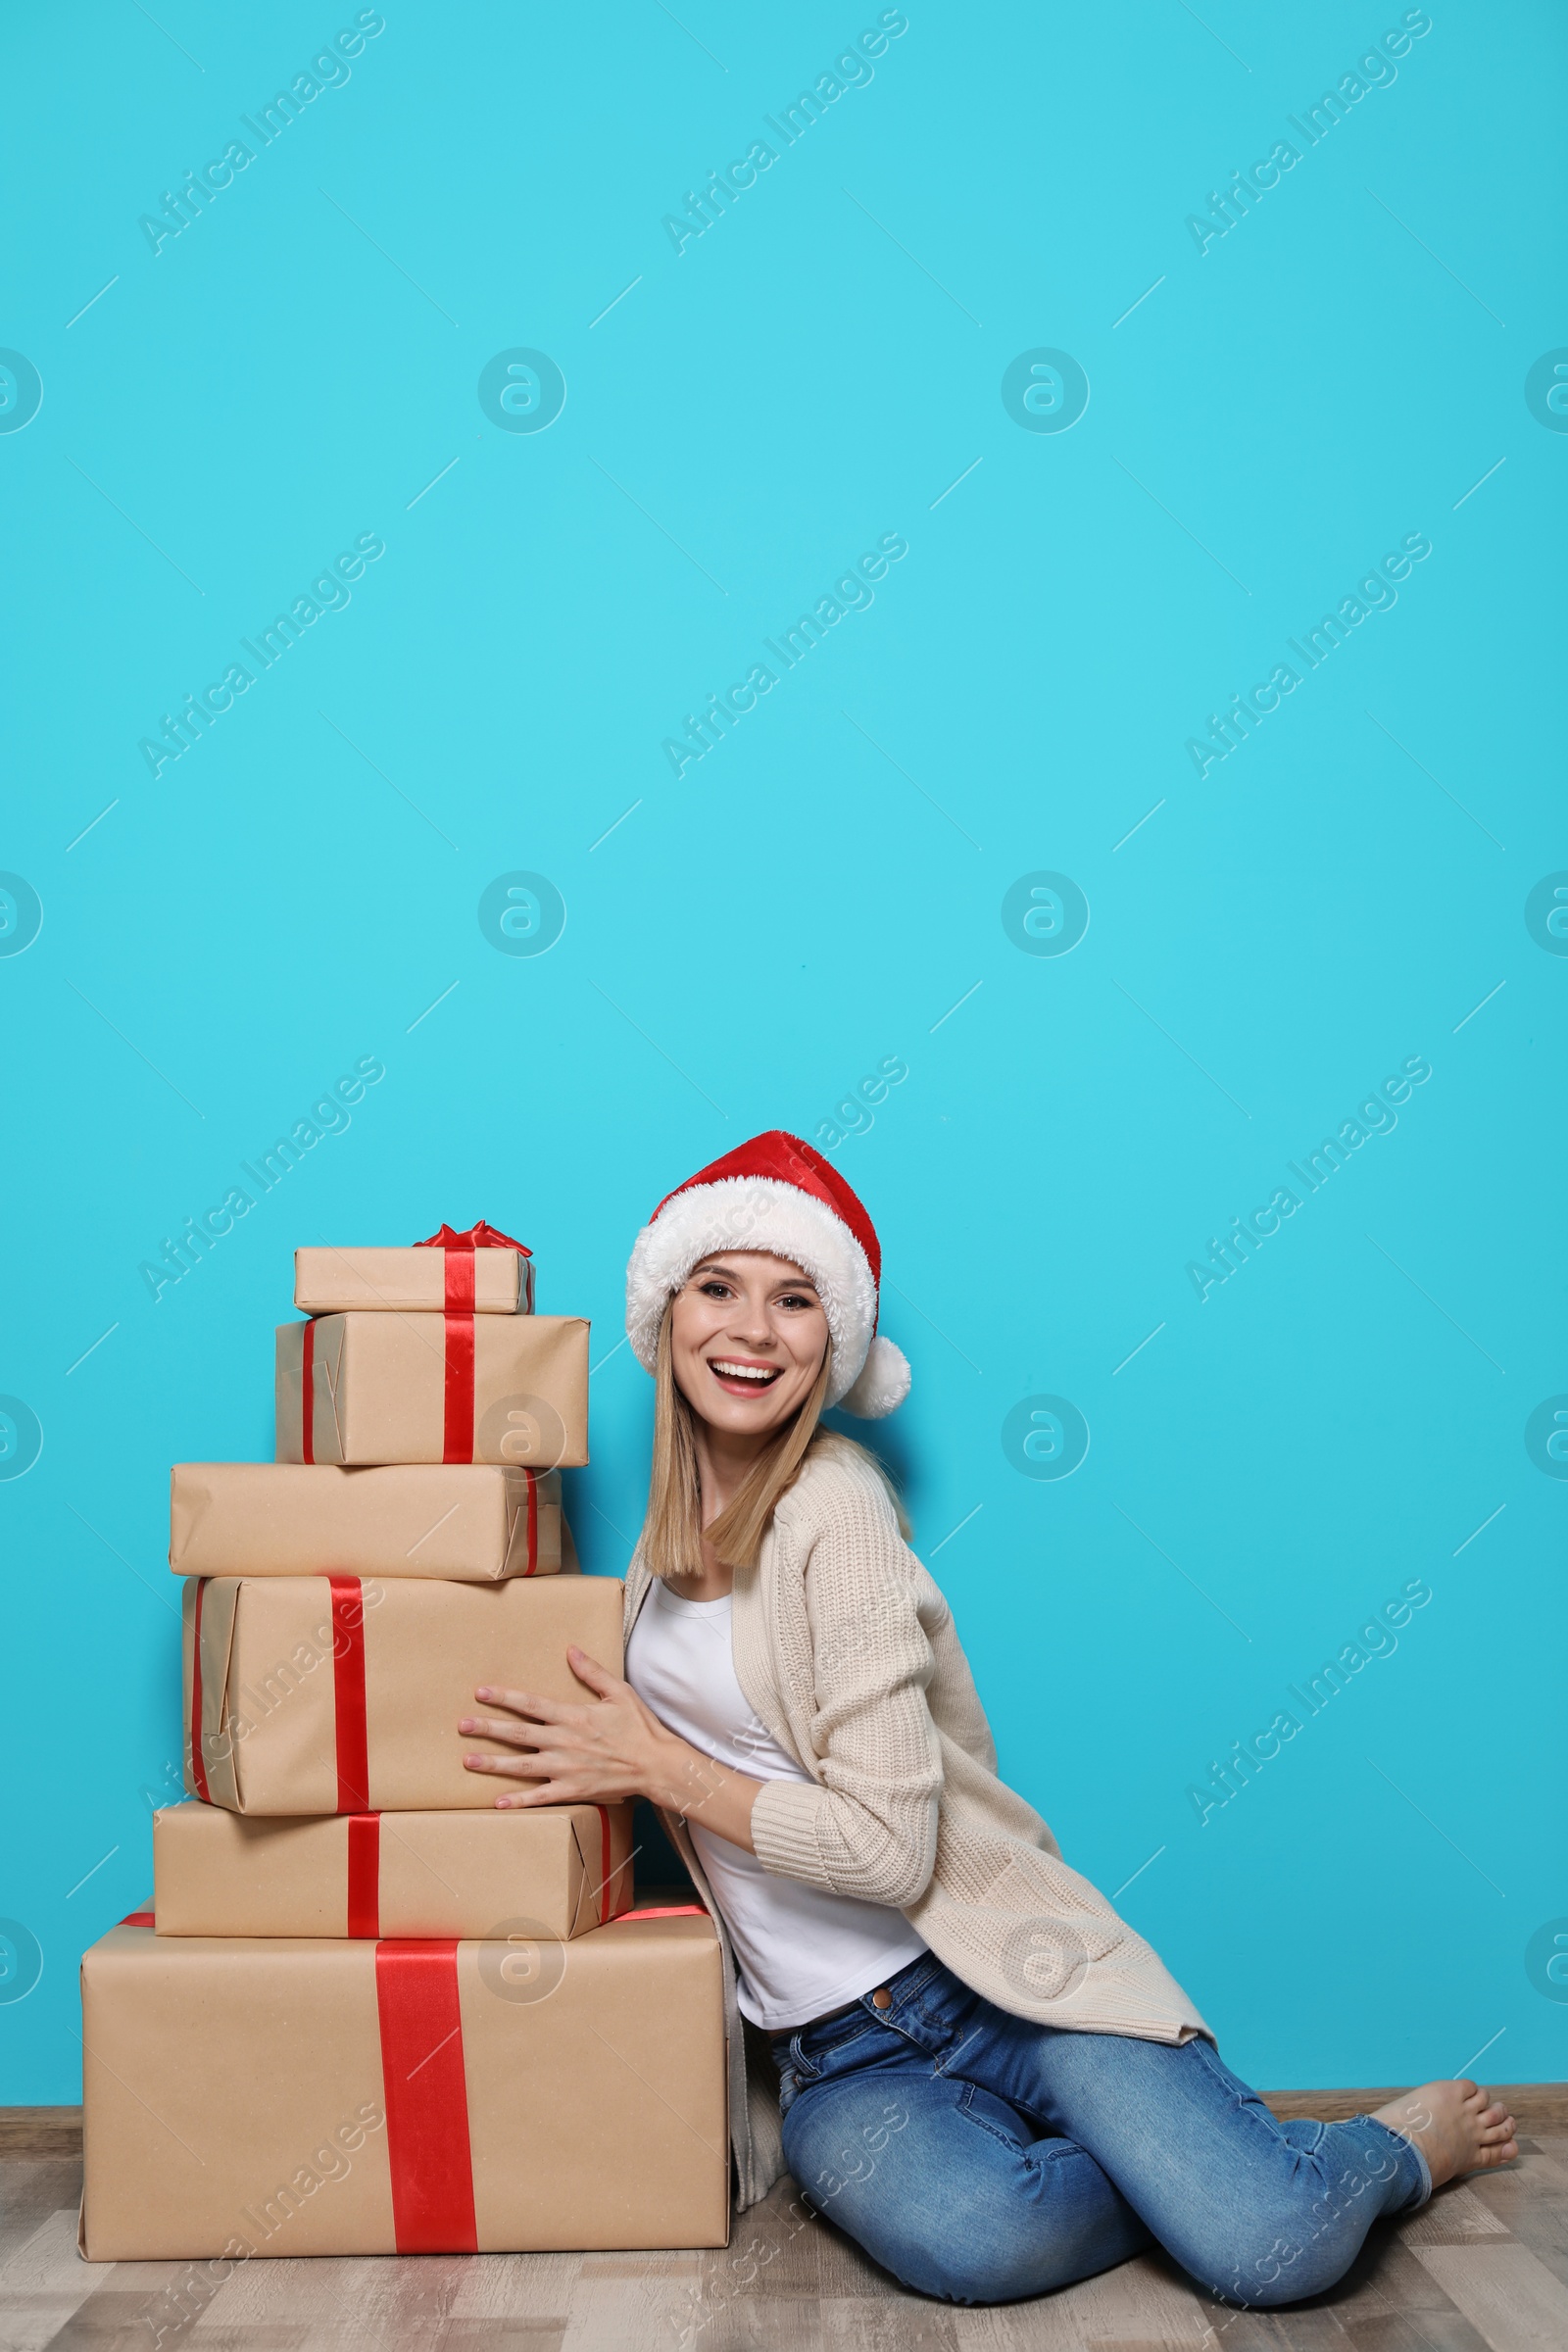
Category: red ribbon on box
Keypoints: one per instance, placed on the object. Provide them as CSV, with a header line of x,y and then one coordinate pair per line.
x,y
348,1695
425,2093
457,1442
532,1477
425,2089
308,1393
365,1875
198,1762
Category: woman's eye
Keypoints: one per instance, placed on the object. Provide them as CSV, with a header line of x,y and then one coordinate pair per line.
x,y
715,1290
796,1301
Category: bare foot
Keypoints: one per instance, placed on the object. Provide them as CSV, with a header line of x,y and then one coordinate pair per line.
x,y
1455,2126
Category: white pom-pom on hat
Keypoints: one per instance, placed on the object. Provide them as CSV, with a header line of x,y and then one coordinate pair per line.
x,y
883,1383
776,1193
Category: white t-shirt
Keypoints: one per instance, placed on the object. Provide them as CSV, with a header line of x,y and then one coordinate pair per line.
x,y
800,1949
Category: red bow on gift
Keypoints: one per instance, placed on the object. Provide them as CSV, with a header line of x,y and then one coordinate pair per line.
x,y
478,1236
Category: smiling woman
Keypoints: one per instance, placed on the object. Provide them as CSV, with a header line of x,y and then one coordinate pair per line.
x,y
944,1996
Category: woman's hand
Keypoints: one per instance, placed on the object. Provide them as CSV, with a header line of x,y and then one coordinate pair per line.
x,y
595,1754
603,1752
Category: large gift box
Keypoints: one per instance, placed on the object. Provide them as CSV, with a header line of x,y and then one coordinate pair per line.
x,y
434,1388
471,1521
338,1694
417,2097
558,1870
478,1272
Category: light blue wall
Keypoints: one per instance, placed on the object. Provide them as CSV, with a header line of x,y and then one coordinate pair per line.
x,y
823,891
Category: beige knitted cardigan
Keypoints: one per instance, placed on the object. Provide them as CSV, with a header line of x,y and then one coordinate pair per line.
x,y
847,1652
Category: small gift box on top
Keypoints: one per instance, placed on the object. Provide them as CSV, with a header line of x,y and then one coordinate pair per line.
x,y
479,1272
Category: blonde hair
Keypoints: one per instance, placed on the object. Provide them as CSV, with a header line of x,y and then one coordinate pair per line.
x,y
673,1531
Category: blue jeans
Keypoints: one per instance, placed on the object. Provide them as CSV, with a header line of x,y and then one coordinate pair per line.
x,y
981,2158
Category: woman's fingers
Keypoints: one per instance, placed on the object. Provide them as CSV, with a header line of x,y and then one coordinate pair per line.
x,y
525,1702
518,1767
588,1670
551,1781
514,1734
552,1793
548,1766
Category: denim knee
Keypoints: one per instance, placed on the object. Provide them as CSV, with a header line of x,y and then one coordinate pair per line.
x,y
1297,2244
972,2268
958,2203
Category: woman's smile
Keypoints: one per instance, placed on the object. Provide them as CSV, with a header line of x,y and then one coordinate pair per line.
x,y
743,1375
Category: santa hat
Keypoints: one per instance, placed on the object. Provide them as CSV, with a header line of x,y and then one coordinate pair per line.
x,y
775,1194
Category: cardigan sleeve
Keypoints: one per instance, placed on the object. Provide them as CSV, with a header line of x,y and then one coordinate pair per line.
x,y
868,1827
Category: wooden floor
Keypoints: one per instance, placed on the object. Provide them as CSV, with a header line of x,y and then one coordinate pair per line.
x,y
1485,2265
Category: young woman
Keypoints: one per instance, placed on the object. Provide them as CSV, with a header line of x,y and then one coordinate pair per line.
x,y
985,2075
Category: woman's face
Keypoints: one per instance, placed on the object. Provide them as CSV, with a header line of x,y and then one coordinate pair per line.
x,y
747,1335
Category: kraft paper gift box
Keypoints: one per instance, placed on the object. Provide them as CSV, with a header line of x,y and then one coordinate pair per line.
x,y
557,1871
498,1279
375,1388
298,2097
333,1694
468,1521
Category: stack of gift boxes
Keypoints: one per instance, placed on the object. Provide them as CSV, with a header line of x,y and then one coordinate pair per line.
x,y
369,2012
